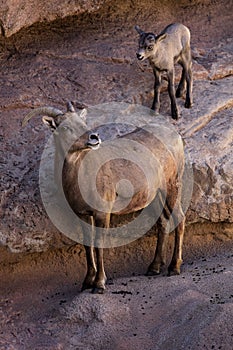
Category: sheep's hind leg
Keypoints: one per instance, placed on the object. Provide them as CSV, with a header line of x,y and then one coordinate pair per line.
x,y
91,269
174,267
100,280
161,249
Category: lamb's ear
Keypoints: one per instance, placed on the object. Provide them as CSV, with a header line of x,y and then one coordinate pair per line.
x,y
50,122
83,114
140,31
161,37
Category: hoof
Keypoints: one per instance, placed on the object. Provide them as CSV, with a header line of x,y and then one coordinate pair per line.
x,y
174,267
152,273
97,290
173,272
175,117
175,114
188,105
154,112
86,286
179,93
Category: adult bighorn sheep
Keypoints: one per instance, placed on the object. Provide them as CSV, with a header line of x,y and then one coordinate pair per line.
x,y
171,46
157,186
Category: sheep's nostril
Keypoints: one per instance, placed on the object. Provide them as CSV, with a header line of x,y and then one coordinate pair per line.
x,y
94,137
139,56
93,140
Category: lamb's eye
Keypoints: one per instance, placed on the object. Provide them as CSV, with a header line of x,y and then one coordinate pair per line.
x,y
150,48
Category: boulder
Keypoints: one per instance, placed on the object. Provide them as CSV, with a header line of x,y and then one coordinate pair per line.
x,y
15,15
208,136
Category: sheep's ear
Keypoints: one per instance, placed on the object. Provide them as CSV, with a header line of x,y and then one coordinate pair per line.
x,y
140,31
83,114
161,37
50,122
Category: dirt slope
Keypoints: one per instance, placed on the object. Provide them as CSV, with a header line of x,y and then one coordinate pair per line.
x,y
45,310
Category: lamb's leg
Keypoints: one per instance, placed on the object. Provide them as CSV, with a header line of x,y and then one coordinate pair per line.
x,y
157,87
171,91
182,84
187,68
189,92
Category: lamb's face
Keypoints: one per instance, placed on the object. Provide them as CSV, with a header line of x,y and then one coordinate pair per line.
x,y
147,43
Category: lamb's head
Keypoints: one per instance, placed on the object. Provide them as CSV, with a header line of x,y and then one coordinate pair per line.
x,y
148,44
69,128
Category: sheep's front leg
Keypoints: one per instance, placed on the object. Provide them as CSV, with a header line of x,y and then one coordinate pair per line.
x,y
157,87
102,224
89,232
171,91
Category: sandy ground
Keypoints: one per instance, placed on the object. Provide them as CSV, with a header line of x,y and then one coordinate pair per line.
x,y
44,309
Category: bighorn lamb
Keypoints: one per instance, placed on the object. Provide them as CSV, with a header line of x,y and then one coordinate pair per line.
x,y
162,193
171,46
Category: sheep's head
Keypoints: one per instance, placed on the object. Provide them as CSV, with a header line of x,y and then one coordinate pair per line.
x,y
148,44
67,127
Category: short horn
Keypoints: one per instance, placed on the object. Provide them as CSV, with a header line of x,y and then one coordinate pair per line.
x,y
48,111
70,107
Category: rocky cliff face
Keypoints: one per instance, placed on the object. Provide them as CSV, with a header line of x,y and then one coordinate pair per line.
x,y
90,58
15,15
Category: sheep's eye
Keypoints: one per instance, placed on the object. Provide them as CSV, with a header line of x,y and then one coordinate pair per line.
x,y
150,48
64,128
